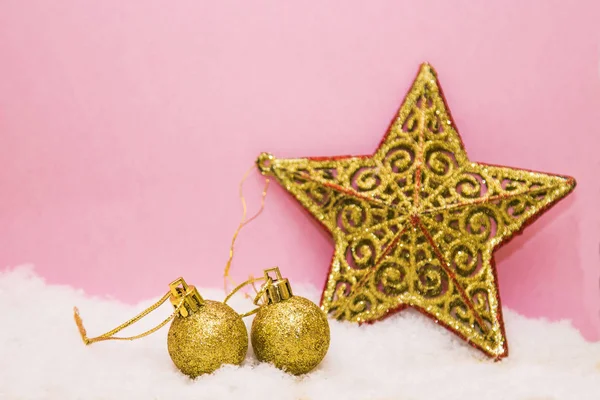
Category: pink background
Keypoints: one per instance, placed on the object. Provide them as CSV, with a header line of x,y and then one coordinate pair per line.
x,y
125,127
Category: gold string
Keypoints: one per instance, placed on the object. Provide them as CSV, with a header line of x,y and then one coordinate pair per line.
x,y
110,334
243,222
249,313
258,296
253,285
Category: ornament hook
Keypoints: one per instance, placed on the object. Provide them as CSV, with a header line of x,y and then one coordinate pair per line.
x,y
180,291
274,290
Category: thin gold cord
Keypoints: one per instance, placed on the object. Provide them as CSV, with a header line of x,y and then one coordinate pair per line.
x,y
240,286
226,276
257,298
110,334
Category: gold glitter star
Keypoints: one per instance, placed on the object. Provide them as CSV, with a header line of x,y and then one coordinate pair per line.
x,y
416,223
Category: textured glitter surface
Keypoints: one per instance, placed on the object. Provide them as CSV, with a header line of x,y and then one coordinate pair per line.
x,y
292,334
206,339
416,223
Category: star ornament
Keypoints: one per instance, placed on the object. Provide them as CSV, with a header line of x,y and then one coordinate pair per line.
x,y
416,223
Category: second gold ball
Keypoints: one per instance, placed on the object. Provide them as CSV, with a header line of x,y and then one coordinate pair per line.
x,y
289,331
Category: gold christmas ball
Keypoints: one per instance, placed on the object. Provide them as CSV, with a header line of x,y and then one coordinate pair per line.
x,y
292,334
207,338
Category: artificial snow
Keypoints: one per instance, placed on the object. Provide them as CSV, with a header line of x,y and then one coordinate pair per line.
x,y
404,357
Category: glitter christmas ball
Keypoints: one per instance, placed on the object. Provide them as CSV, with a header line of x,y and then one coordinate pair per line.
x,y
292,334
207,338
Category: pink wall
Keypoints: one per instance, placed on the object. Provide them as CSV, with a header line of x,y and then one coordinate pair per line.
x,y
125,127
